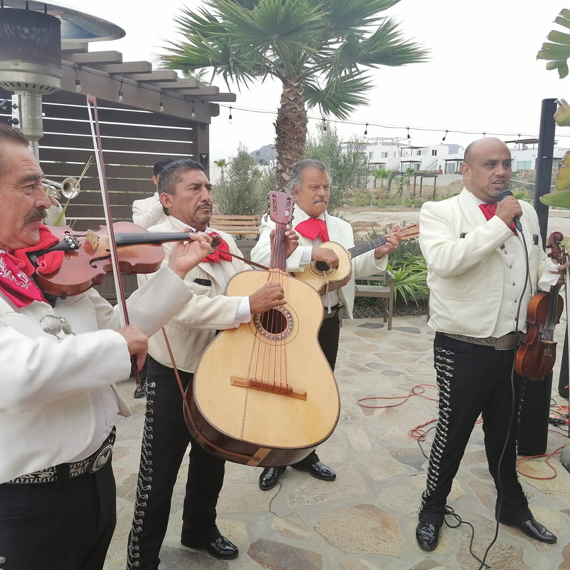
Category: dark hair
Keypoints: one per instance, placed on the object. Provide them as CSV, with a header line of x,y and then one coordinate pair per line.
x,y
160,165
15,136
297,170
171,174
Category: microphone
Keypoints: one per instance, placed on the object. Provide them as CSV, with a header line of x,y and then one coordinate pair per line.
x,y
504,194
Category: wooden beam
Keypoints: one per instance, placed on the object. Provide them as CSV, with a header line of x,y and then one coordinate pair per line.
x,y
125,68
155,76
73,47
219,98
189,83
135,96
206,91
95,57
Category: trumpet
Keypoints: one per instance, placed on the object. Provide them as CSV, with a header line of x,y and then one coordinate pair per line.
x,y
69,188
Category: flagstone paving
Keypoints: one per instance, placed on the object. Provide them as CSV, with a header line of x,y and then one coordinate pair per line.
x,y
365,520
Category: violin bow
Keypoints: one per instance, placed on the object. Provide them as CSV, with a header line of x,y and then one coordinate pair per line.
x,y
98,147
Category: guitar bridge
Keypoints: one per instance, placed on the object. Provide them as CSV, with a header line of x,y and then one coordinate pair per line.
x,y
277,389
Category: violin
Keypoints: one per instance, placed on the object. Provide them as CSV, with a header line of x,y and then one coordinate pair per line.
x,y
536,355
87,256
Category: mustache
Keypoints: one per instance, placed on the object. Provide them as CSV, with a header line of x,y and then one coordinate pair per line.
x,y
321,200
35,215
202,204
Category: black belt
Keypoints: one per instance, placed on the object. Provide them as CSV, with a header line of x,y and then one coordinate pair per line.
x,y
90,464
334,311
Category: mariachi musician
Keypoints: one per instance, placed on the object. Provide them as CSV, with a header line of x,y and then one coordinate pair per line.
x,y
310,184
59,362
185,192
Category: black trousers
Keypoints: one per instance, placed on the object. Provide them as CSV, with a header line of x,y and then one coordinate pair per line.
x,y
164,444
66,524
329,335
474,379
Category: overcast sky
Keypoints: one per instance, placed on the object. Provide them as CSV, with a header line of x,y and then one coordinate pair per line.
x,y
482,76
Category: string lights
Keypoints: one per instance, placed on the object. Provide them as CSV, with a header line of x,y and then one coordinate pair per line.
x,y
77,81
366,129
192,112
121,92
161,104
324,125
230,118
444,137
408,137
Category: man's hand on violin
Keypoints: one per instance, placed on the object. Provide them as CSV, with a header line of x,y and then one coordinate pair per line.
x,y
291,240
561,270
184,256
325,255
268,297
393,240
137,343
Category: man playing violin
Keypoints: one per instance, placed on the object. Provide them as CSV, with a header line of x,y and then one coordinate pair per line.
x,y
476,276
59,361
310,184
185,193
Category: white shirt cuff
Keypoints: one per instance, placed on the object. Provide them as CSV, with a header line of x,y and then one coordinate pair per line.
x,y
306,255
243,314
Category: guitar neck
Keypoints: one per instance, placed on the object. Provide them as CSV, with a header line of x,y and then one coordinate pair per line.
x,y
367,246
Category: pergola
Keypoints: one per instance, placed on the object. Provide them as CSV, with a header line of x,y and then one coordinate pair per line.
x,y
145,114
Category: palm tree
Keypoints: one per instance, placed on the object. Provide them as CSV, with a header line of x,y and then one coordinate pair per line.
x,y
318,49
380,174
221,164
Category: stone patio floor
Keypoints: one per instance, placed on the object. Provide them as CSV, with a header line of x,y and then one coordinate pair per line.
x,y
365,520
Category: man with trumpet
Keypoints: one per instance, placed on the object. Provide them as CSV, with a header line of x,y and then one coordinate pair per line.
x,y
68,189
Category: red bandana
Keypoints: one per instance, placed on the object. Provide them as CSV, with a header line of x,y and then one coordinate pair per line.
x,y
313,228
489,211
218,256
16,270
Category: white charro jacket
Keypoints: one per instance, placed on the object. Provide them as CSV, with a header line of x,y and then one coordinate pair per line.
x,y
148,212
465,264
339,231
47,414
192,328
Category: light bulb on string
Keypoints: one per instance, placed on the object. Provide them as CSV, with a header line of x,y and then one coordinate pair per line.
x,y
193,112
161,104
484,134
408,137
121,92
230,118
366,129
324,125
444,137
77,82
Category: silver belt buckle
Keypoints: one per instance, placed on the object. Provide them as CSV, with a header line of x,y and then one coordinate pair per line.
x,y
101,459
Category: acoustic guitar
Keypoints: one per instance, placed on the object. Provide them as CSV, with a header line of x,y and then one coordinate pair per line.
x,y
325,279
263,393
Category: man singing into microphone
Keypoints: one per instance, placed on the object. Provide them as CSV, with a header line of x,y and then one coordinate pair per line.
x,y
476,276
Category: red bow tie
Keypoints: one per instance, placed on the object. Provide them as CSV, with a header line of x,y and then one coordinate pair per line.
x,y
489,211
218,256
313,228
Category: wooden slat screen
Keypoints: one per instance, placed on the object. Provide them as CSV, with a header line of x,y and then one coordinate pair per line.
x,y
133,141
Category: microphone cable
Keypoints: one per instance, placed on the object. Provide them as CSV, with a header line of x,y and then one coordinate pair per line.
x,y
512,414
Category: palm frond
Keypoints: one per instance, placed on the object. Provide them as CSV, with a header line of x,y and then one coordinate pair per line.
x,y
343,16
340,96
557,51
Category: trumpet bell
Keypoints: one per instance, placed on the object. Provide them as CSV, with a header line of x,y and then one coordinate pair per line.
x,y
70,188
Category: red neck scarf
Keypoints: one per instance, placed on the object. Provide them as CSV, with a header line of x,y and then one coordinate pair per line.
x,y
16,270
313,228
489,211
218,256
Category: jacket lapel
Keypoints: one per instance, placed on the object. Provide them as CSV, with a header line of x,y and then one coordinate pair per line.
x,y
471,211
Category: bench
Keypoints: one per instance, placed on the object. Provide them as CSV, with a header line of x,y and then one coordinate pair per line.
x,y
237,225
382,287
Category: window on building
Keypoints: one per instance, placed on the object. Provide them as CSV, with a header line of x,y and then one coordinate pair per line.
x,y
419,152
450,167
370,155
384,155
434,152
523,165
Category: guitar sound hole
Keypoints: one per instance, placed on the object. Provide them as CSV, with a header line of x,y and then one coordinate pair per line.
x,y
274,321
321,266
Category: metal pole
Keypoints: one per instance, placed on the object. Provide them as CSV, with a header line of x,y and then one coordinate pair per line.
x,y
544,163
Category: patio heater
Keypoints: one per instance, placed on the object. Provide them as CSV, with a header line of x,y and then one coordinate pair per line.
x,y
31,34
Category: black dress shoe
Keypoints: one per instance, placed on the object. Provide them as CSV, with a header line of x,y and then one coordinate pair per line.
x,y
533,529
220,547
427,535
270,477
318,470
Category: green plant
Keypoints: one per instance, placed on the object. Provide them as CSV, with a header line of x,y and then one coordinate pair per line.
x,y
320,51
410,278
